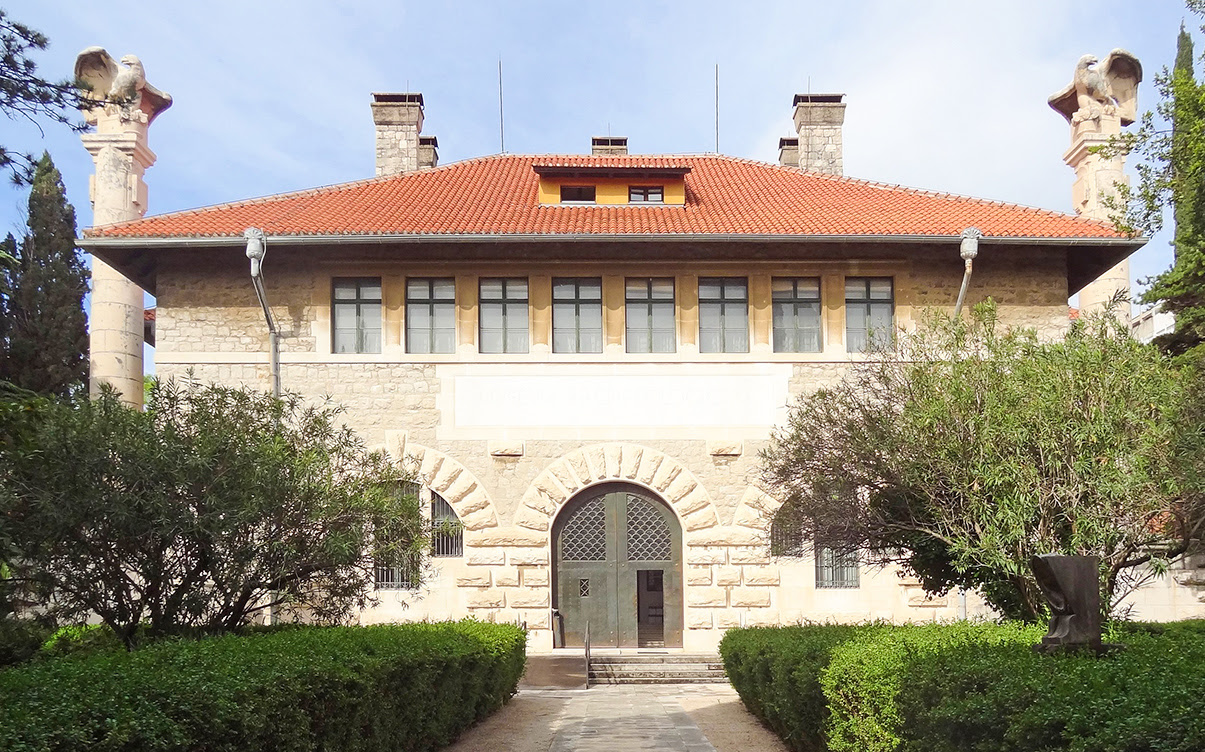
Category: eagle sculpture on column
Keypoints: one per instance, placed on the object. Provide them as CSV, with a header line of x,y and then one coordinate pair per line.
x,y
1096,89
122,85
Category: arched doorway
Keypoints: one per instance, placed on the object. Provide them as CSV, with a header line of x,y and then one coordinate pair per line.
x,y
618,565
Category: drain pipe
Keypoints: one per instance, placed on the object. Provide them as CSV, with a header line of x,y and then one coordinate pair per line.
x,y
257,248
968,250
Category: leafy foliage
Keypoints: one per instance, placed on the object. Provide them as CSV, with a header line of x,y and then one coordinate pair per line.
x,y
26,95
211,506
965,450
1171,170
43,329
971,688
402,687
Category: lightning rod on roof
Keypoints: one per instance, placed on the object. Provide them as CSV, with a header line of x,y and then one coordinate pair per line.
x,y
717,108
501,123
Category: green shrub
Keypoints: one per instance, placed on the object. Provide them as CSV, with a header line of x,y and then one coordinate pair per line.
x,y
80,638
20,640
397,687
776,671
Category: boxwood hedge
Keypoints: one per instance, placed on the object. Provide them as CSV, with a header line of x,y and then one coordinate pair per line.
x,y
395,687
971,687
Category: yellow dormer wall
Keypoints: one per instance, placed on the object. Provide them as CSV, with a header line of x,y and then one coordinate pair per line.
x,y
612,191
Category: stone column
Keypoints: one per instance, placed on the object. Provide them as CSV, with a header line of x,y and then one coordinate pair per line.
x,y
118,194
1096,179
123,107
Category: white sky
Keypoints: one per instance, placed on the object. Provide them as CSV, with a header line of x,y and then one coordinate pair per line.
x,y
944,95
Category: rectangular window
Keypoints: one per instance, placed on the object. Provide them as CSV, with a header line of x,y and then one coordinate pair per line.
x,y
430,315
577,194
646,194
723,315
577,315
649,313
397,578
447,538
835,569
502,306
356,315
869,312
796,314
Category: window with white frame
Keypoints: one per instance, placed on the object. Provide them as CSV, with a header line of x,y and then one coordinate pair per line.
x,y
649,315
430,315
577,315
356,315
869,312
502,307
796,303
723,315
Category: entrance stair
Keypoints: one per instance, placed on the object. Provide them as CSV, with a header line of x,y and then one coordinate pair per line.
x,y
656,668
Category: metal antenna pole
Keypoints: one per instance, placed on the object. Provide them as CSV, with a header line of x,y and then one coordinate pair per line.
x,y
717,108
501,124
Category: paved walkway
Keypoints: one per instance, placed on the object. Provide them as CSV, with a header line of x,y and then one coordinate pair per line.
x,y
669,718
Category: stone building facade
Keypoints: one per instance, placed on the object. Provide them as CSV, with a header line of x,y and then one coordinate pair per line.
x,y
555,437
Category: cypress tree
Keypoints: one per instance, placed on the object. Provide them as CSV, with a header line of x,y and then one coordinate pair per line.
x,y
44,333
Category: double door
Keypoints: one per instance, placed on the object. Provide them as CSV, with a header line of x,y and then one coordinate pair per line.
x,y
618,561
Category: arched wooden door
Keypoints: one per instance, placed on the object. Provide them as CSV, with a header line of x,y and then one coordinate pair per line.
x,y
618,561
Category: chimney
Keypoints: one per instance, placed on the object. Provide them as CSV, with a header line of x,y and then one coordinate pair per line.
x,y
818,119
609,146
399,120
788,151
428,152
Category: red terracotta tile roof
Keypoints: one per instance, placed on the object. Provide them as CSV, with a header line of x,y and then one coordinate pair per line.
x,y
498,195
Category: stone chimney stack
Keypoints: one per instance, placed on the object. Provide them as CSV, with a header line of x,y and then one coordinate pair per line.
x,y
788,151
609,146
399,121
428,152
818,120
121,156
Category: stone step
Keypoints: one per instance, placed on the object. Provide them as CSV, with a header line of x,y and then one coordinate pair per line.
x,y
666,668
655,658
659,680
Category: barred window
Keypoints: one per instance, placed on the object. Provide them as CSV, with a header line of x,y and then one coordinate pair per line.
x,y
398,578
649,315
723,315
835,568
577,315
786,532
502,307
869,312
447,538
796,314
356,315
430,315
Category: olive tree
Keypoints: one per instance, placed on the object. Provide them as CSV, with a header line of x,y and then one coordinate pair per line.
x,y
962,450
209,507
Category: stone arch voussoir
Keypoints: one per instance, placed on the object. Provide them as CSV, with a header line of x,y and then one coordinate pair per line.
x,y
448,478
756,510
632,463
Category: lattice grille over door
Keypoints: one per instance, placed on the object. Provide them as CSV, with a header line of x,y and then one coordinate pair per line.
x,y
584,537
648,535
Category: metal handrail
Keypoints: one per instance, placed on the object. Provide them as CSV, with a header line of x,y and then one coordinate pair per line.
x,y
587,653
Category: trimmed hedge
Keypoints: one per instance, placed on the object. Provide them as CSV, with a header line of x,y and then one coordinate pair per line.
x,y
393,687
20,640
971,688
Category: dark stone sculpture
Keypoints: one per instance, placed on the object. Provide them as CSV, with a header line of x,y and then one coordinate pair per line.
x,y
1071,585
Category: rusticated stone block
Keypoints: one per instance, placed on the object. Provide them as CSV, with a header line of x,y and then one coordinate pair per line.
x,y
724,447
727,619
506,577
706,596
698,618
701,520
506,536
749,555
534,576
531,519
528,556
750,597
761,617
702,555
528,598
727,575
505,448
698,575
536,618
761,575
479,520
479,578
725,536
486,599
485,557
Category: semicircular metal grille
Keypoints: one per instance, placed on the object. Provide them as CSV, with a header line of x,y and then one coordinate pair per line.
x,y
648,535
584,537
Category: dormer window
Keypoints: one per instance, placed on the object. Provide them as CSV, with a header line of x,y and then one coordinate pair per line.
x,y
646,194
577,194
